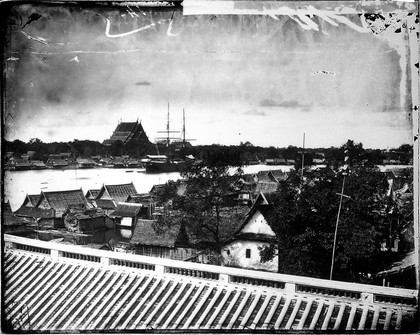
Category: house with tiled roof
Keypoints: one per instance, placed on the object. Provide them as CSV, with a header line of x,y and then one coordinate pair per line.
x,y
60,201
276,175
126,214
107,205
38,217
147,202
243,248
92,194
17,163
12,224
150,239
275,161
85,163
31,200
38,165
118,193
84,220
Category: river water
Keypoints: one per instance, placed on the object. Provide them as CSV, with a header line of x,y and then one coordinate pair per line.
x,y
20,183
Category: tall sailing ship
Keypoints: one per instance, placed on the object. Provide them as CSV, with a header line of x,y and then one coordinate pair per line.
x,y
171,160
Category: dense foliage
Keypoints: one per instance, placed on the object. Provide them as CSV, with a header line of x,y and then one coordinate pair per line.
x,y
246,153
304,218
210,188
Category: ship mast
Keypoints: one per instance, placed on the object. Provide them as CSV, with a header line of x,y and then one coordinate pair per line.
x,y
183,127
167,128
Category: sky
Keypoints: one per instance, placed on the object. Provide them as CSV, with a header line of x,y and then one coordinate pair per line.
x,y
74,73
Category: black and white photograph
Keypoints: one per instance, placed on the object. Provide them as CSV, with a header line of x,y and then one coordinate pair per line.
x,y
210,166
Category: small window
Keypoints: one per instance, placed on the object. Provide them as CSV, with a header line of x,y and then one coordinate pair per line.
x,y
248,253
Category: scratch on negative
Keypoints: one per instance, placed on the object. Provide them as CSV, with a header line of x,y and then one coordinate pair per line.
x,y
38,39
108,25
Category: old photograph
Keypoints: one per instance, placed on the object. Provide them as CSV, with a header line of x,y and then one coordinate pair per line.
x,y
210,166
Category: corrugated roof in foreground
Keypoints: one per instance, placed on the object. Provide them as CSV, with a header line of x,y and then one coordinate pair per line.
x,y
43,294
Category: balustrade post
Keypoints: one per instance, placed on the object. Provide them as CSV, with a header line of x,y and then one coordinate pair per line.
x,y
160,269
55,254
290,287
105,261
366,297
224,277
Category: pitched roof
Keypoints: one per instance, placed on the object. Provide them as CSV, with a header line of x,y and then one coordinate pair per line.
x,y
277,175
34,212
82,214
407,262
61,200
85,160
105,203
92,194
260,202
267,187
31,200
38,163
118,193
10,219
148,233
255,237
126,132
144,198
125,209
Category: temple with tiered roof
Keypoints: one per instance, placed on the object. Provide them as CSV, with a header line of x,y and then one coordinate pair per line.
x,y
127,132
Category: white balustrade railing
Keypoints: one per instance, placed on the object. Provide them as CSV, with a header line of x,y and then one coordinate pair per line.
x,y
288,283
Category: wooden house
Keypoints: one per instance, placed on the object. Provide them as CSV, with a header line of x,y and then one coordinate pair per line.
x,y
86,220
60,201
14,224
38,217
165,242
118,193
243,249
107,205
276,175
57,163
20,164
85,163
126,214
31,200
147,202
92,194
275,161
400,273
38,165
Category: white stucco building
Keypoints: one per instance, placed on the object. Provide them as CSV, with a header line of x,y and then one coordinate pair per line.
x,y
243,249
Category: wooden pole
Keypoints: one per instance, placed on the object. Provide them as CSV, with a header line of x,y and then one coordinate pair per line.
x,y
303,155
336,228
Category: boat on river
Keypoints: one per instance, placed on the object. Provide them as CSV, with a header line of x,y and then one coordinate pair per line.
x,y
171,161
162,164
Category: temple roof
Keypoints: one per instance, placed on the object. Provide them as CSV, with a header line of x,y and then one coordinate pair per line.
x,y
126,132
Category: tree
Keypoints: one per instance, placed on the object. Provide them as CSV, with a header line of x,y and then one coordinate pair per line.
x,y
210,189
304,219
